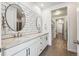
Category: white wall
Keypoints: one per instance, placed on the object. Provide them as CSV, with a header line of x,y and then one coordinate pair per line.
x,y
53,29
0,26
46,16
33,7
72,27
78,30
78,23
65,28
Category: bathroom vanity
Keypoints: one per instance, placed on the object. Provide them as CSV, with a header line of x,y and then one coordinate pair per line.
x,y
31,45
21,21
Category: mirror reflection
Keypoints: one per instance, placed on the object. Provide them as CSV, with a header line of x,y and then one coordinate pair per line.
x,y
15,17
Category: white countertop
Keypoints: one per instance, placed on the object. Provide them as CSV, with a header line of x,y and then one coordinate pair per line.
x,y
11,42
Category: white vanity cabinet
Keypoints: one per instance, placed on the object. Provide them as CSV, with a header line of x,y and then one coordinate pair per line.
x,y
37,47
31,48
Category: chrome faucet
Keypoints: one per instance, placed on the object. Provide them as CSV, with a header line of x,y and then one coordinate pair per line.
x,y
18,34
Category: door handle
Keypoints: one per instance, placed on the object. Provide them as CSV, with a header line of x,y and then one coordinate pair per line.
x,y
76,42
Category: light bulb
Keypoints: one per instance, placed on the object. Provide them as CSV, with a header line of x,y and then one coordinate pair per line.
x,y
77,9
57,12
42,5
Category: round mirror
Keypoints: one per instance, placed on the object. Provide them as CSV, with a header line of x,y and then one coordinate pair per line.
x,y
15,17
39,24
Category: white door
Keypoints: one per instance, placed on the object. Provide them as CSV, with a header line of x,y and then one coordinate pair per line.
x,y
78,32
59,26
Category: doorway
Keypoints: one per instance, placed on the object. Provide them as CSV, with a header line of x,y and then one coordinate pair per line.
x,y
58,45
59,42
60,27
59,17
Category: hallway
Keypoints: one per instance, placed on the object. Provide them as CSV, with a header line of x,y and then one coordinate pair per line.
x,y
58,48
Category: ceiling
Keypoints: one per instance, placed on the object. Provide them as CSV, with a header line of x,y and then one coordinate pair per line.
x,y
59,12
46,4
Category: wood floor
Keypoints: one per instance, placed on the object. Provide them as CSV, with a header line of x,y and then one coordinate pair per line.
x,y
58,48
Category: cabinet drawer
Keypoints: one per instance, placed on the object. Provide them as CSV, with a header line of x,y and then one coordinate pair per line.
x,y
24,52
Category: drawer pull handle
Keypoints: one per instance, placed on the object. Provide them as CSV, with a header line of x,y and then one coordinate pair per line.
x,y
27,51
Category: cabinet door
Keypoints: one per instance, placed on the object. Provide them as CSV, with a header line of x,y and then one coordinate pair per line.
x,y
33,50
35,47
44,41
39,47
21,53
42,44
